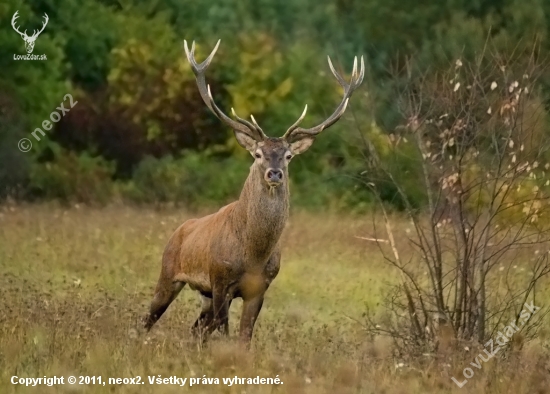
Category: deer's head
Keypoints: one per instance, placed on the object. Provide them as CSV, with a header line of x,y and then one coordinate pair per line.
x,y
29,40
272,155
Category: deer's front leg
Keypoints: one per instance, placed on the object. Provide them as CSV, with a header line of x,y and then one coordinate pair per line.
x,y
251,310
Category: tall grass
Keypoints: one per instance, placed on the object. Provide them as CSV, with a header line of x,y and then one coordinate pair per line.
x,y
74,282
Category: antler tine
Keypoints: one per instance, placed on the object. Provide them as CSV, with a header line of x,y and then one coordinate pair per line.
x,y
199,68
252,126
256,125
355,81
362,74
252,130
341,80
296,124
241,120
211,103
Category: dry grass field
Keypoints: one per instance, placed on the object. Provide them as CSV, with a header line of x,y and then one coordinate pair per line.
x,y
74,282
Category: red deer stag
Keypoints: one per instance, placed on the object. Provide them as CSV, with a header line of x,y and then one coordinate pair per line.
x,y
235,252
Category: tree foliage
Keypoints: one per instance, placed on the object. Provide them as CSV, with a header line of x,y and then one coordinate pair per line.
x,y
138,105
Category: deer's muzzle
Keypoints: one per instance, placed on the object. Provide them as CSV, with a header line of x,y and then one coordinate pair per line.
x,y
274,176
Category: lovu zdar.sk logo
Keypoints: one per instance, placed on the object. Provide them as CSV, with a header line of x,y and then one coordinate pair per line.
x,y
29,40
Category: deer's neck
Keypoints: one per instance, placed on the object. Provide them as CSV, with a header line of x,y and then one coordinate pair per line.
x,y
265,212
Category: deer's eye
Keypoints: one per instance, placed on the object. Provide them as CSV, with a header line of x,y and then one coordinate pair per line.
x,y
288,157
258,156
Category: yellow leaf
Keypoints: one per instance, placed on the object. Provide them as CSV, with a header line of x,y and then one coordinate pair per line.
x,y
284,88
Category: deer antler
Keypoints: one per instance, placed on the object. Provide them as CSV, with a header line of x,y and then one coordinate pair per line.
x,y
356,79
46,19
15,16
251,129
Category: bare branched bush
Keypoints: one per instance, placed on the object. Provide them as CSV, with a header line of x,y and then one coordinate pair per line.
x,y
479,246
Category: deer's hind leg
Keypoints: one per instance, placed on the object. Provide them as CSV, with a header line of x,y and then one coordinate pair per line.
x,y
207,322
221,300
166,291
206,317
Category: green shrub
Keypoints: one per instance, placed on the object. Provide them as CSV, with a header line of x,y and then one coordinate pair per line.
x,y
73,177
15,166
200,179
194,179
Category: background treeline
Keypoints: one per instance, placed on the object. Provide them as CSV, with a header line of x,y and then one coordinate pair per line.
x,y
140,131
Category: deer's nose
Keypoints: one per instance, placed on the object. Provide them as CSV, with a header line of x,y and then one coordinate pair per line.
x,y
274,175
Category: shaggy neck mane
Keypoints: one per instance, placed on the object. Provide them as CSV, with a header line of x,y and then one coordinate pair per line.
x,y
266,213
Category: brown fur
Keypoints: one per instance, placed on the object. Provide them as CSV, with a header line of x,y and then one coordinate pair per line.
x,y
235,252
232,253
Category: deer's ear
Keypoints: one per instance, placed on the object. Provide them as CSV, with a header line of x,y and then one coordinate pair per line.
x,y
301,145
246,141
